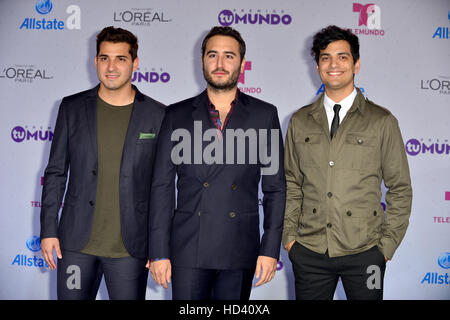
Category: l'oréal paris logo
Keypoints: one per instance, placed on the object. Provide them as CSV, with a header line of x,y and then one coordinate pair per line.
x,y
24,73
142,17
440,85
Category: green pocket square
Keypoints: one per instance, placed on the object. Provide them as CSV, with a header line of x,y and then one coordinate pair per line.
x,y
145,135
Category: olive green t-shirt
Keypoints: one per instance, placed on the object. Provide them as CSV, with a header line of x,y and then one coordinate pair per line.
x,y
106,236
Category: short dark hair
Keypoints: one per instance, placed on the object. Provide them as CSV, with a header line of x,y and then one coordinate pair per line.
x,y
116,35
333,33
225,31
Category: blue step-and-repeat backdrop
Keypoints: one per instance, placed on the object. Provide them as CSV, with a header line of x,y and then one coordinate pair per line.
x,y
48,49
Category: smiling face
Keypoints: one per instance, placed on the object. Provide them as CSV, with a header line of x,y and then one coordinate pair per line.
x,y
114,65
222,63
337,68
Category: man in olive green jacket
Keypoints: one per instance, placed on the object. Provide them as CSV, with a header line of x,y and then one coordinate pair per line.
x,y
338,150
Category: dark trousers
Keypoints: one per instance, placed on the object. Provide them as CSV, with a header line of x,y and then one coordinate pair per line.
x,y
79,276
211,284
316,275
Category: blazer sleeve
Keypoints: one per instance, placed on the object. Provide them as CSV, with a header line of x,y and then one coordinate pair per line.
x,y
395,169
273,186
162,201
294,181
55,176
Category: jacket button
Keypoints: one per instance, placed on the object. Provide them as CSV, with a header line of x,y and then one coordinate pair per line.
x,y
349,213
331,163
374,213
94,172
314,210
232,214
233,187
360,141
91,202
199,213
206,184
307,139
329,194
329,225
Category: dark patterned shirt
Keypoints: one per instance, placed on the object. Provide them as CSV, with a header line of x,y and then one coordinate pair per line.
x,y
215,116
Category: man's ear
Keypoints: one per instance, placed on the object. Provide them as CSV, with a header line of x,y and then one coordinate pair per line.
x,y
357,66
135,64
242,65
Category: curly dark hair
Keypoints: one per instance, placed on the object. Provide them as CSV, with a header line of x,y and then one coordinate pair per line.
x,y
333,33
116,35
225,31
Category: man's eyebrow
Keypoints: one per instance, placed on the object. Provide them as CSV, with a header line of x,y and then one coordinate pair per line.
x,y
107,56
227,52
339,54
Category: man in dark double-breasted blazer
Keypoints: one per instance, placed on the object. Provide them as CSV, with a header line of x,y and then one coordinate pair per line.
x,y
219,145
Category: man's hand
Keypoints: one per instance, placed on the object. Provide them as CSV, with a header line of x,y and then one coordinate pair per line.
x,y
161,271
265,269
47,247
289,245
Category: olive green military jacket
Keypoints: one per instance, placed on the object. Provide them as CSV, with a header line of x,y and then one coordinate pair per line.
x,y
334,186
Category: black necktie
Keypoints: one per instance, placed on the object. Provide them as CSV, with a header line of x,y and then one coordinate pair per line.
x,y
335,123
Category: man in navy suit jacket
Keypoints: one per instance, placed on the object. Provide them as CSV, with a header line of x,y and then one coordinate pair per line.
x,y
106,139
220,145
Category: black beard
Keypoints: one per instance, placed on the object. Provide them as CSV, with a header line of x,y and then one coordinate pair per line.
x,y
229,85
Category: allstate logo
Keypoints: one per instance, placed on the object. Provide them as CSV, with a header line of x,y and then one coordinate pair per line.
x,y
226,18
18,134
34,243
413,147
444,260
44,6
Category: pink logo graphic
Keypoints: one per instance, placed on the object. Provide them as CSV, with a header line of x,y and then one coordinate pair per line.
x,y
447,195
251,90
247,66
369,15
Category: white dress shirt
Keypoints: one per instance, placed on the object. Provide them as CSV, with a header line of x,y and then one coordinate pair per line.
x,y
346,104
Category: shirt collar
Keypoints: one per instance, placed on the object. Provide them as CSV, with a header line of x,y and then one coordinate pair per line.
x,y
233,103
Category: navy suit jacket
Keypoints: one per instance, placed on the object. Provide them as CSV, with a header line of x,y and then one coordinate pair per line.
x,y
74,150
216,220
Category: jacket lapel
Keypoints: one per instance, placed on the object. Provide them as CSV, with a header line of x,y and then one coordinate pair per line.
x,y
240,113
201,112
133,125
319,115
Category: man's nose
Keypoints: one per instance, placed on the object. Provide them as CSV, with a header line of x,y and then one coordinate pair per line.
x,y
111,65
334,61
